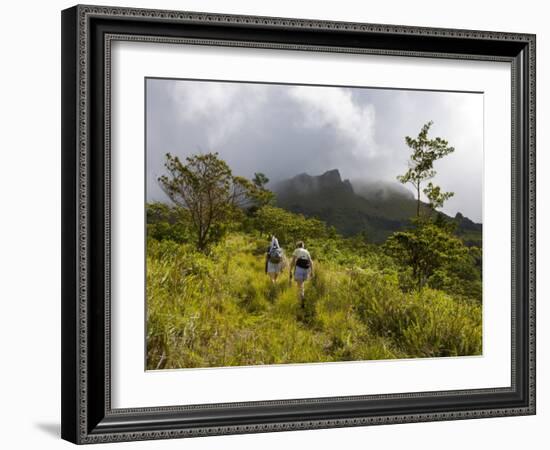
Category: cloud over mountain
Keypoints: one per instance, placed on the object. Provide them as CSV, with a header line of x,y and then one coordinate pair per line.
x,y
284,130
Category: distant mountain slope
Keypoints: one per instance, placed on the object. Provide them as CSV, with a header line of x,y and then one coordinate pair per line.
x,y
378,209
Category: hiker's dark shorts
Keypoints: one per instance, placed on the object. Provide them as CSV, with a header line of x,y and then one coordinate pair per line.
x,y
301,274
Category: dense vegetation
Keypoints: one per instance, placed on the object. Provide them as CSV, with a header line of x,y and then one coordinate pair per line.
x,y
220,309
209,302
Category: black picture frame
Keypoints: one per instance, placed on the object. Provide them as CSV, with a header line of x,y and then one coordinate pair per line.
x,y
87,416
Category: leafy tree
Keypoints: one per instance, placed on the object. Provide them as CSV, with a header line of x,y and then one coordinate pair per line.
x,y
205,186
290,227
260,180
424,152
461,277
435,196
166,222
260,194
426,249
430,249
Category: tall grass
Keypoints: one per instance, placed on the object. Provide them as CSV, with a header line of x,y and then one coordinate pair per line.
x,y
222,310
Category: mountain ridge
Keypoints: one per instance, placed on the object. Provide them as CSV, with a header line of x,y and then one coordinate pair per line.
x,y
377,209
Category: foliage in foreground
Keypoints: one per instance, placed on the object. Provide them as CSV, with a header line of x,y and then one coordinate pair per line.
x,y
221,310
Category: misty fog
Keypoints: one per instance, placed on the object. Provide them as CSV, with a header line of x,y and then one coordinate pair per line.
x,y
285,130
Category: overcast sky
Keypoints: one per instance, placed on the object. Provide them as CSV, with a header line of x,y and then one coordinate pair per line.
x,y
284,130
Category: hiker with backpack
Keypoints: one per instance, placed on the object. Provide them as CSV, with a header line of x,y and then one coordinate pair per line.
x,y
302,266
274,259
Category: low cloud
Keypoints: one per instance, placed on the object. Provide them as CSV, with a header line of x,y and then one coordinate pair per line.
x,y
284,130
335,109
217,107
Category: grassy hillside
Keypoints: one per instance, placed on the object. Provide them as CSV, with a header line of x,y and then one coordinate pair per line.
x,y
220,309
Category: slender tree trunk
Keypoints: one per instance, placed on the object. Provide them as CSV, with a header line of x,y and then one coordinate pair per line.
x,y
201,244
417,275
418,200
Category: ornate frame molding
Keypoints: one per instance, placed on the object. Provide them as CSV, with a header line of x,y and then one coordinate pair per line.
x,y
76,256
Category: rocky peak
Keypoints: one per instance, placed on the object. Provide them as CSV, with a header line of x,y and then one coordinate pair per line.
x,y
308,184
331,177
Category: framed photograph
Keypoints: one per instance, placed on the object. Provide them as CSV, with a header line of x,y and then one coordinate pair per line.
x,y
277,224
